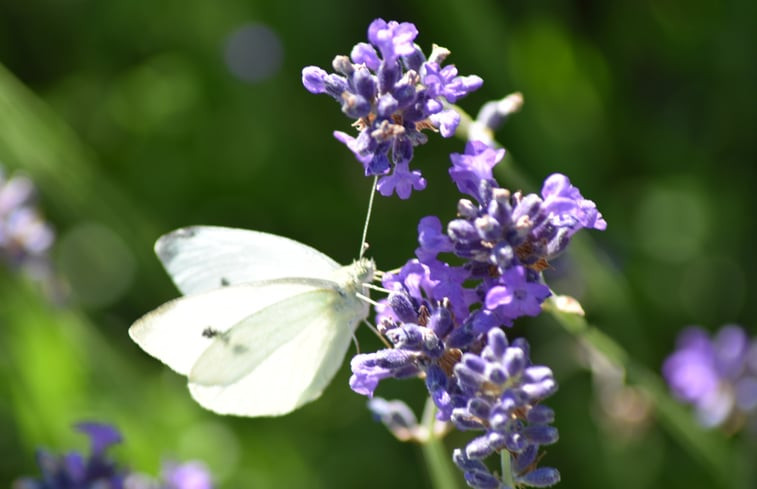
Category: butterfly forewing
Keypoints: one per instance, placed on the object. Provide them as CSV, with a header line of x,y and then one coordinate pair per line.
x,y
201,258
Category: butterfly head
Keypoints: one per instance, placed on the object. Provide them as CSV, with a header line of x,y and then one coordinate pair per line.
x,y
363,270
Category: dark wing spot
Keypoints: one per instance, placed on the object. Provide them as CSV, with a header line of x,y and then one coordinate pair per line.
x,y
225,282
239,349
210,332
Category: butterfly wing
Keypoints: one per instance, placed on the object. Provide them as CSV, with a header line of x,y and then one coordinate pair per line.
x,y
201,258
179,331
279,358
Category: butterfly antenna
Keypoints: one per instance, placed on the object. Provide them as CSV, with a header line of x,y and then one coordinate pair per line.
x,y
363,245
367,299
377,288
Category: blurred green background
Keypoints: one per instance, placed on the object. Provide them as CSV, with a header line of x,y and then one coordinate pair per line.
x,y
137,117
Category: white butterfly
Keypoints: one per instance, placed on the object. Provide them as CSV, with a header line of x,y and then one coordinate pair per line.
x,y
264,323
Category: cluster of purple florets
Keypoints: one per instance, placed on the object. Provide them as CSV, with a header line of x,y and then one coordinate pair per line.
x,y
75,471
479,273
717,375
445,321
393,92
502,393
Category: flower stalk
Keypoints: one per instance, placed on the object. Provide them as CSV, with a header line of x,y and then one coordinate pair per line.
x,y
441,472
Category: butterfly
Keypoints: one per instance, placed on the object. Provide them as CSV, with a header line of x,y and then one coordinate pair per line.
x,y
264,322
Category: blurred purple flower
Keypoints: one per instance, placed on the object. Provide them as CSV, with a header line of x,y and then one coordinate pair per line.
x,y
101,436
97,471
717,375
24,236
73,470
189,475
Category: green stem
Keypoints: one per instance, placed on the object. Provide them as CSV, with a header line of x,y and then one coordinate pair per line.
x,y
507,470
709,447
438,460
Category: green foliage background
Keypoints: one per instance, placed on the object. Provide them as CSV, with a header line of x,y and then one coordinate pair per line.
x,y
128,119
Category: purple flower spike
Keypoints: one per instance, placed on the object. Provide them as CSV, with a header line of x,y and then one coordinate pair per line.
x,y
714,374
393,93
444,317
502,395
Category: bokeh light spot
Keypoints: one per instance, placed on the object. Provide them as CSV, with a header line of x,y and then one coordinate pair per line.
x,y
96,263
253,53
154,94
672,223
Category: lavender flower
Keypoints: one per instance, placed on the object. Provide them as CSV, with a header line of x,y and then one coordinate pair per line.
x,y
717,375
394,92
505,240
74,471
503,393
24,235
444,321
497,391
